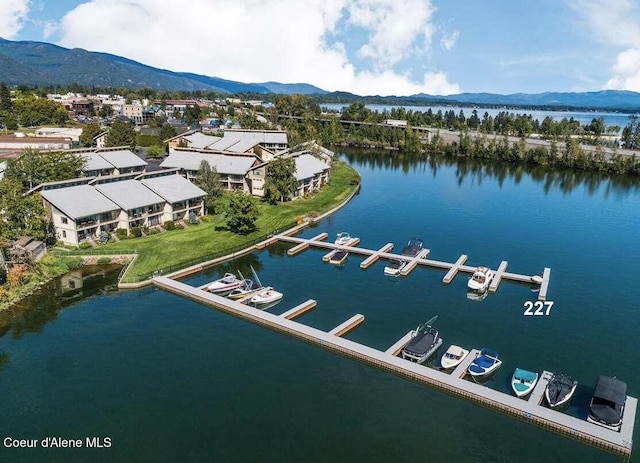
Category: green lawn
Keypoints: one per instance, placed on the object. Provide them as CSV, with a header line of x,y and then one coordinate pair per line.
x,y
197,243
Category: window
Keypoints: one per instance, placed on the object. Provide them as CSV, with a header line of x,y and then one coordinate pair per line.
x,y
64,233
64,220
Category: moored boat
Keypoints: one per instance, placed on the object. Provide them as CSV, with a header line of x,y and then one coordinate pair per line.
x,y
266,296
453,357
225,285
343,238
607,404
249,287
523,382
485,363
413,247
393,267
480,279
560,389
425,341
338,257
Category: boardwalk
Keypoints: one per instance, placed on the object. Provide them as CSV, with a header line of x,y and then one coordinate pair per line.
x,y
529,411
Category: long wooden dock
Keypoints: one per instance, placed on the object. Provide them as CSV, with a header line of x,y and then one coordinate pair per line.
x,y
371,256
619,443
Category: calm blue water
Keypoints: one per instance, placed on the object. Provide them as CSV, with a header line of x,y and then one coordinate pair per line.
x,y
584,117
170,380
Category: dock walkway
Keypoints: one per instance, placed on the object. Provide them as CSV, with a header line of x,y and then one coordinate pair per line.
x,y
371,256
619,443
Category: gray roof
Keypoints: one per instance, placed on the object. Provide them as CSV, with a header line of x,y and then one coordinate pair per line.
x,y
95,162
224,164
122,158
308,165
129,194
173,188
79,201
200,140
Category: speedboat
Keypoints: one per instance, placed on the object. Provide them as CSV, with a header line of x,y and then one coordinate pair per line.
x,y
225,285
249,287
338,257
607,403
425,340
453,357
343,238
523,382
480,279
393,268
266,296
485,363
560,389
413,247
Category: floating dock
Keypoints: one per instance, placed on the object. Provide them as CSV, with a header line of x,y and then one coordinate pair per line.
x,y
452,268
619,443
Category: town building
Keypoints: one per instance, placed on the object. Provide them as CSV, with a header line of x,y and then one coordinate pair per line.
x,y
19,141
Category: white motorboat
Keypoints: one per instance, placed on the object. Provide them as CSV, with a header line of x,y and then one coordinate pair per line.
x,y
225,285
453,357
560,389
485,363
523,382
481,279
394,266
412,249
249,287
425,341
343,238
266,296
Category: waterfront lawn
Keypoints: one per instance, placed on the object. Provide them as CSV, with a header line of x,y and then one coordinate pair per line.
x,y
184,247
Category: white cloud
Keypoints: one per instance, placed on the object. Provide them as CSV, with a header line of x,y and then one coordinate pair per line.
x,y
262,40
14,13
616,24
448,41
394,26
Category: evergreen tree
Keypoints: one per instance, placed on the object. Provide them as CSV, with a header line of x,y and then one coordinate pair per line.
x,y
32,167
5,98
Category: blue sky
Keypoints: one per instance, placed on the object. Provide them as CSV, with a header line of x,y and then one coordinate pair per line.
x,y
381,47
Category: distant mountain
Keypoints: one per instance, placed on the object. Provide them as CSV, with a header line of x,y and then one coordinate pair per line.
x,y
604,99
39,63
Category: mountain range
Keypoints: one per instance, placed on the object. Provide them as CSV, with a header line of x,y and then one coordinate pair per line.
x,y
40,63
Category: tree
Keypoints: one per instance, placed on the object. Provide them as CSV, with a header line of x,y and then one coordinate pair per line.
x,y
281,182
155,151
105,110
5,97
209,180
33,167
241,214
166,132
20,214
121,134
89,132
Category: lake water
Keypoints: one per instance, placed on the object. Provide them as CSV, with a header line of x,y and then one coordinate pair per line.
x,y
583,117
167,379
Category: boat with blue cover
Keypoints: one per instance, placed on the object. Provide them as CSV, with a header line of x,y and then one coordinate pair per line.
x,y
485,363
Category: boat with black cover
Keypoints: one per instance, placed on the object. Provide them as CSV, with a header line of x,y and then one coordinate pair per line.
x,y
560,389
412,249
607,403
425,341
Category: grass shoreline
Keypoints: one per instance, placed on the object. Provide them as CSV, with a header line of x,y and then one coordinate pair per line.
x,y
176,250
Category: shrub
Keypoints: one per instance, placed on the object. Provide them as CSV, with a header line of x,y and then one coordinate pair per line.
x,y
104,237
313,214
193,219
179,226
204,218
84,245
104,261
72,262
152,231
136,231
169,225
121,233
